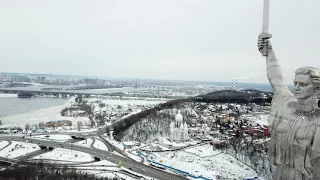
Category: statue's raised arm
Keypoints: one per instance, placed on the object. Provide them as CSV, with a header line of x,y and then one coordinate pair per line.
x,y
274,72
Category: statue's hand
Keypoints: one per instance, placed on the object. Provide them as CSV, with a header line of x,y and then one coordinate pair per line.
x,y
264,44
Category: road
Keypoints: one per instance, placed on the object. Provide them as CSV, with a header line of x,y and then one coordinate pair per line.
x,y
9,143
109,156
30,155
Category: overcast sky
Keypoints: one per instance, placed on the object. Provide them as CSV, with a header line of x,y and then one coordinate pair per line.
x,y
208,40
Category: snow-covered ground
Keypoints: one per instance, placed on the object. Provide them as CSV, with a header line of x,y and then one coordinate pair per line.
x,y
99,145
165,142
66,155
114,142
262,120
3,144
209,165
134,156
128,102
202,150
86,142
73,129
18,149
103,162
111,170
8,95
56,137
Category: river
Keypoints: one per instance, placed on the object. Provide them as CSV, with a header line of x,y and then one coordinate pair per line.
x,y
12,105
13,109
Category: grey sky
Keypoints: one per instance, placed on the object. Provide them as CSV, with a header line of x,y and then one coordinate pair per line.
x,y
164,39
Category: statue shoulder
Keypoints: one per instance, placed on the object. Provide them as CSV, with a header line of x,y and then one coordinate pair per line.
x,y
283,92
283,98
280,108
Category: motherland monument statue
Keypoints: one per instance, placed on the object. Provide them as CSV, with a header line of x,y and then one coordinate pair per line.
x,y
294,119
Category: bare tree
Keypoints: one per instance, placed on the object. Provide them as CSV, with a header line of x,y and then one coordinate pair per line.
x,y
108,131
92,122
27,126
41,125
102,105
79,126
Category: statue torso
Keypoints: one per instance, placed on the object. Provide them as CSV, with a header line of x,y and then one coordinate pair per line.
x,y
294,136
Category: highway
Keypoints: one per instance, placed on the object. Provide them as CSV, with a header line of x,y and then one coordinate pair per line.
x,y
109,156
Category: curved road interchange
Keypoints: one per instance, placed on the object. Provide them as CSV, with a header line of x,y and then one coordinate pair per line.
x,y
102,155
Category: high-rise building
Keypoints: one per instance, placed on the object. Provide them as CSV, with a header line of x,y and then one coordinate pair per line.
x,y
41,79
21,79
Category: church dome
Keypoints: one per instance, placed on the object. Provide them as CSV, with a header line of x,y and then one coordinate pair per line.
x,y
179,117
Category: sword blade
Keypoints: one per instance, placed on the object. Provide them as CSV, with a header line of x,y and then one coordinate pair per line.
x,y
265,20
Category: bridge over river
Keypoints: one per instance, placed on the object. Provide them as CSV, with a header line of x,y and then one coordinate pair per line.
x,y
56,93
77,93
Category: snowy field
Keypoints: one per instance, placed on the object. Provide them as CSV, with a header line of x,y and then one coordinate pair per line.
x,y
202,151
103,162
66,155
126,102
103,165
3,144
56,137
8,95
86,142
109,170
114,142
263,120
99,145
18,149
70,129
209,164
134,156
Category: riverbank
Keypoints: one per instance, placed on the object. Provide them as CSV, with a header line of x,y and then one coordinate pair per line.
x,y
8,95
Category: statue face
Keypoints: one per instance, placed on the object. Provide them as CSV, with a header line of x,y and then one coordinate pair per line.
x,y
303,87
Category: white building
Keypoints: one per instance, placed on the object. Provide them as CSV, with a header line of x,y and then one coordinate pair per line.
x,y
178,129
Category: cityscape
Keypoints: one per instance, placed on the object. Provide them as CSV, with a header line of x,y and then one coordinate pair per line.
x,y
159,90
167,124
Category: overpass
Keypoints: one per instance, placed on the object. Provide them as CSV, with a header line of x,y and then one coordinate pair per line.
x,y
109,156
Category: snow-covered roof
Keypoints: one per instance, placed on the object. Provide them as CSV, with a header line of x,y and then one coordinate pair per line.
x,y
129,143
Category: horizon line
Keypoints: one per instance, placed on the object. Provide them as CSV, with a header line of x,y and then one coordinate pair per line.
x,y
133,78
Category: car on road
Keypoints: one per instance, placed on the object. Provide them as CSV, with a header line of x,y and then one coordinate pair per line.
x,y
143,170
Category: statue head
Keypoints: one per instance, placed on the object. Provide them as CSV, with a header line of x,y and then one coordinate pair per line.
x,y
306,82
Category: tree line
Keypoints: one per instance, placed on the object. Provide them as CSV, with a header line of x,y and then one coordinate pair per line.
x,y
37,171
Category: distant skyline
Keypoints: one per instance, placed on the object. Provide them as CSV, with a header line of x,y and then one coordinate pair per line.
x,y
207,40
239,82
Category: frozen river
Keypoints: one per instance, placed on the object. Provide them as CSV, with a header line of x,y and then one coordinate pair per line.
x,y
12,105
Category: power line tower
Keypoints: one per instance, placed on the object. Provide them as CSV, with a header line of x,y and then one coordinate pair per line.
x,y
136,84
